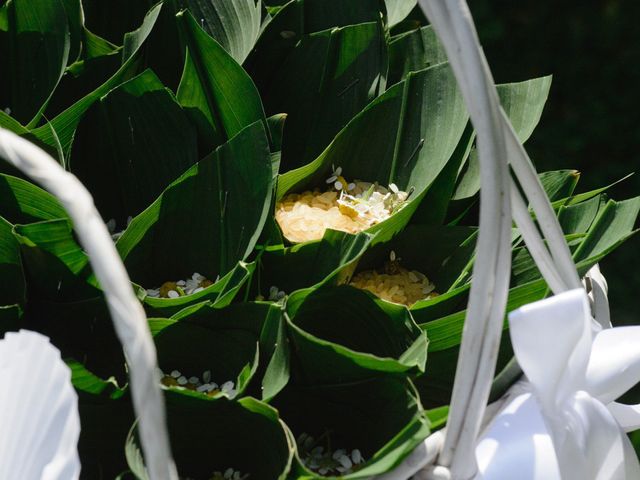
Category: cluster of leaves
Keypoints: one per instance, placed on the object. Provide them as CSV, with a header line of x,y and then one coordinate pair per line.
x,y
194,117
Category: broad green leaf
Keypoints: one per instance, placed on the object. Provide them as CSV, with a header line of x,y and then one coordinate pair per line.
x,y
276,42
213,436
446,332
523,103
81,79
581,197
414,51
276,127
434,206
75,21
614,223
131,145
234,24
65,124
95,46
10,123
23,202
13,290
397,10
342,334
381,416
326,80
579,217
559,183
56,267
87,382
328,261
216,92
39,39
172,239
408,142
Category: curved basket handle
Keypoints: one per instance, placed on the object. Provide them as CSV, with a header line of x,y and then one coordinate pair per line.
x,y
497,145
126,311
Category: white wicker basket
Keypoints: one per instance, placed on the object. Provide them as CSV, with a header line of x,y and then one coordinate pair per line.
x,y
448,453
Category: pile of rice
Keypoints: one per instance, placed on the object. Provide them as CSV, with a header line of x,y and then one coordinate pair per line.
x,y
395,283
324,460
348,207
206,386
180,288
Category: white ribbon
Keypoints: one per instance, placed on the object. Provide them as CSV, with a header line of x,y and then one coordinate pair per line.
x,y
565,423
39,421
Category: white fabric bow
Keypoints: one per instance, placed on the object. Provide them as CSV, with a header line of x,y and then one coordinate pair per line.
x,y
39,421
564,422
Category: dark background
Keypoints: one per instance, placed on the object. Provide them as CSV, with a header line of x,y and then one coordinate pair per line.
x,y
591,122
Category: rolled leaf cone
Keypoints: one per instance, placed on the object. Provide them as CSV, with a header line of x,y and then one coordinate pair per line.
x,y
213,436
343,334
215,345
380,416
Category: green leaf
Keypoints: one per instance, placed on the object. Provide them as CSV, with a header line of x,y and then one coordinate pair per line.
x,y
87,382
6,121
326,80
382,417
65,124
13,290
330,260
343,334
275,43
216,92
223,430
523,102
579,217
434,206
614,223
559,183
581,197
75,21
234,24
397,10
131,145
23,202
95,46
171,239
414,51
446,332
39,39
56,267
276,127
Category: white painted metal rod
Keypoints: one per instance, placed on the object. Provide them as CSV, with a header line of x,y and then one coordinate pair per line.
x,y
485,313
